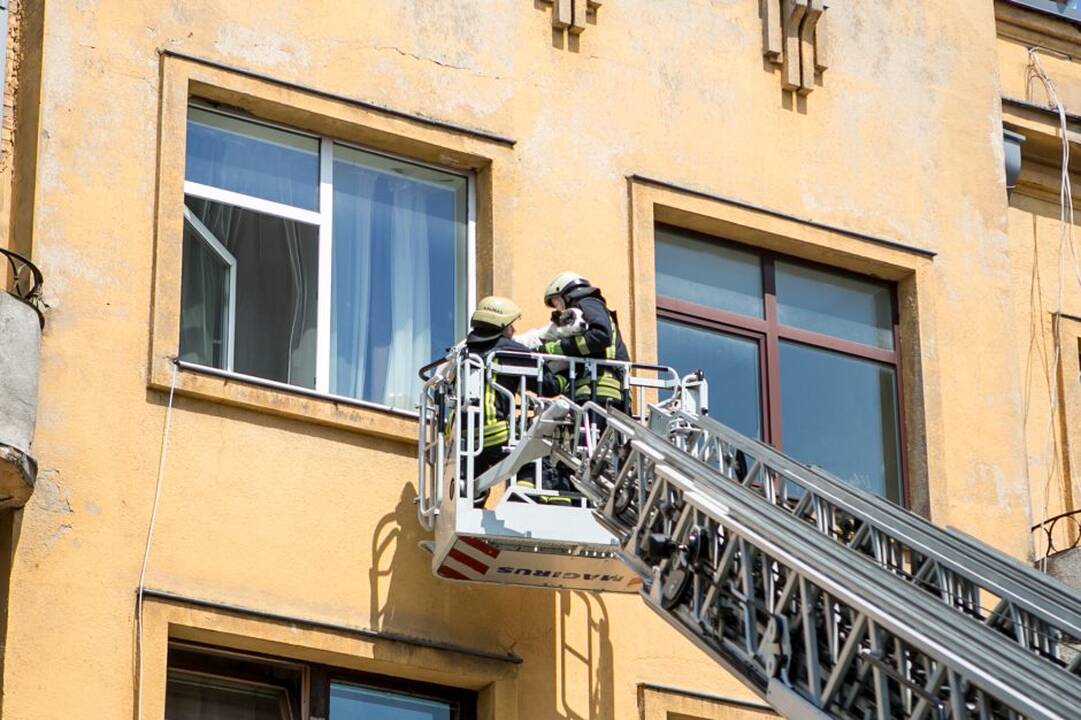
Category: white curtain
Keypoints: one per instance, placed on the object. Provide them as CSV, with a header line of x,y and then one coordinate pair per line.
x,y
380,319
352,282
411,343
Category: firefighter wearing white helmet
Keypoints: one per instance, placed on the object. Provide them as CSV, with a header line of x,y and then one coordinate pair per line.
x,y
492,330
600,340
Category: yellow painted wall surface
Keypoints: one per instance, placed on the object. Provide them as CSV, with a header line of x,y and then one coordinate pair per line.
x,y
1044,257
269,511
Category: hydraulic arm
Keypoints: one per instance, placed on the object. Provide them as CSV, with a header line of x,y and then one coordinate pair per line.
x,y
826,600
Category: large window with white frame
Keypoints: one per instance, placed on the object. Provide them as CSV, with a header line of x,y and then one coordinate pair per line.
x,y
317,265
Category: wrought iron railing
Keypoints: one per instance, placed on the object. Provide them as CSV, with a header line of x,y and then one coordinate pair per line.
x,y
26,281
1067,524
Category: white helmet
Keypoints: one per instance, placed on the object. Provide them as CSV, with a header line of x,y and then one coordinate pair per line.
x,y
563,283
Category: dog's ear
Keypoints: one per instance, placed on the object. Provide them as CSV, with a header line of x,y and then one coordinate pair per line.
x,y
567,317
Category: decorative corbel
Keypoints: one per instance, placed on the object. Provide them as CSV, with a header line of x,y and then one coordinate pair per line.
x,y
795,36
792,12
572,15
807,34
772,40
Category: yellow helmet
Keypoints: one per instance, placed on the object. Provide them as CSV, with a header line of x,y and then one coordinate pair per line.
x,y
497,311
562,283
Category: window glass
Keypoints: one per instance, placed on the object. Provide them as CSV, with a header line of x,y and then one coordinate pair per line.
x,y
840,412
252,159
706,273
398,280
731,366
204,298
396,286
835,304
1070,9
277,264
189,696
352,702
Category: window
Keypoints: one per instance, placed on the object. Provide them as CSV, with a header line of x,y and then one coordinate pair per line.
x,y
317,265
213,684
800,356
204,684
355,702
1069,9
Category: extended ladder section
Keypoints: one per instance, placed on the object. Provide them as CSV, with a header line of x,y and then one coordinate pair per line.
x,y
826,600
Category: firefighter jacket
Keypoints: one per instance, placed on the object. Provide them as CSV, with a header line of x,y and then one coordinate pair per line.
x,y
601,340
497,406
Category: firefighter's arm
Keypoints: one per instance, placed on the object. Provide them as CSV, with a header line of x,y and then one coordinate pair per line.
x,y
547,386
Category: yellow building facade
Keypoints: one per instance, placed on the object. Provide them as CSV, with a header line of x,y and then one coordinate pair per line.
x,y
302,201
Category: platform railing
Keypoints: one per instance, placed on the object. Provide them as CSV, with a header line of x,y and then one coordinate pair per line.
x,y
453,414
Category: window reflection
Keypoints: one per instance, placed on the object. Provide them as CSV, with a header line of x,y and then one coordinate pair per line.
x,y
840,412
835,304
731,366
352,702
696,270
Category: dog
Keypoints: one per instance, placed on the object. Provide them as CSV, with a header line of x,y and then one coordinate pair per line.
x,y
564,324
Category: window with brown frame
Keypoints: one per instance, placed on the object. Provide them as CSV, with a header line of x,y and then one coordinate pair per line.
x,y
207,683
799,355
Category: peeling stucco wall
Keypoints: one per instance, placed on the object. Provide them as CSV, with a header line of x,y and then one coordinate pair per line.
x,y
312,521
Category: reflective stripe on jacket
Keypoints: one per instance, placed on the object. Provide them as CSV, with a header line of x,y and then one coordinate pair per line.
x,y
497,406
602,341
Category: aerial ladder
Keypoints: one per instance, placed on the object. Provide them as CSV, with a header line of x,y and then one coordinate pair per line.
x,y
823,599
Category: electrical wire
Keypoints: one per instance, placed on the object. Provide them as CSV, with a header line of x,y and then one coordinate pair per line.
x,y
163,454
1036,72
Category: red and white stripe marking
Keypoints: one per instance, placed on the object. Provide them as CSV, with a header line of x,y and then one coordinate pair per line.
x,y
468,559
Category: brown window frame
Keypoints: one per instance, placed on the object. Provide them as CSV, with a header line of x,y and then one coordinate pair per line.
x,y
768,332
308,691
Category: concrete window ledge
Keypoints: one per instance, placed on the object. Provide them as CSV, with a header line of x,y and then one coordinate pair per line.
x,y
20,348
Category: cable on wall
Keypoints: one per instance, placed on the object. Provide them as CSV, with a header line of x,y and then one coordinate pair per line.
x,y
163,454
1037,73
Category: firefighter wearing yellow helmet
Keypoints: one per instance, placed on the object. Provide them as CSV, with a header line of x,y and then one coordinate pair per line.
x,y
492,330
601,339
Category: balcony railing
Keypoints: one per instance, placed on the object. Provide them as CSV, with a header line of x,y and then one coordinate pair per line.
x,y
1058,534
26,281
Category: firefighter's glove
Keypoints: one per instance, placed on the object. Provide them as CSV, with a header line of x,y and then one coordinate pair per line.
x,y
532,339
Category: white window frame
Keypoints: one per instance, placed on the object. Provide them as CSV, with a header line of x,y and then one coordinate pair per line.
x,y
215,246
323,219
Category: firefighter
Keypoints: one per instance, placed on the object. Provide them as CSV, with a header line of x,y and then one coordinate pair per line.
x,y
492,329
601,339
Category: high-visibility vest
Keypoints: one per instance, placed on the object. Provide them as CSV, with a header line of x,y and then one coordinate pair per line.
x,y
609,382
496,431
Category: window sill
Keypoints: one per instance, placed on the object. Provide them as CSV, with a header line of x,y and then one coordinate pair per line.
x,y
284,400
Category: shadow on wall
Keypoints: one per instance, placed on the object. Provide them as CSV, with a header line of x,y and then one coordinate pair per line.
x,y
393,531
583,657
406,598
563,636
10,524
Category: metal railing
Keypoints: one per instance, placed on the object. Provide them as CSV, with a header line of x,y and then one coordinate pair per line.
x,y
453,415
26,281
815,625
1068,523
